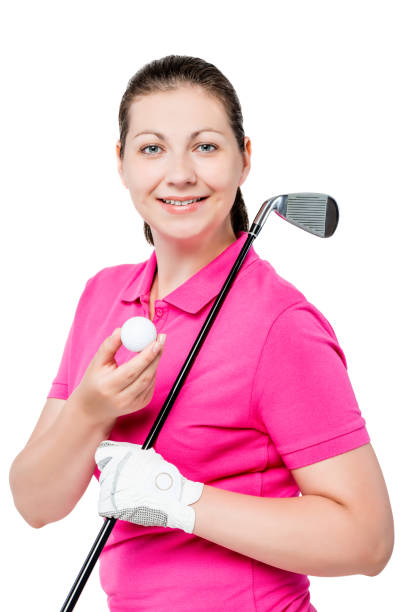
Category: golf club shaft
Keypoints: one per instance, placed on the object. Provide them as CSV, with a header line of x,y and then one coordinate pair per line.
x,y
109,523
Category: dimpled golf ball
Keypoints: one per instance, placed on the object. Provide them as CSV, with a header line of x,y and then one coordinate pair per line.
x,y
137,332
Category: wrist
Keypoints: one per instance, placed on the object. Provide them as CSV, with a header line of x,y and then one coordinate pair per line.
x,y
182,517
195,503
191,491
76,408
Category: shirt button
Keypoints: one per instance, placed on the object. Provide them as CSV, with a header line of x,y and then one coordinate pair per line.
x,y
159,312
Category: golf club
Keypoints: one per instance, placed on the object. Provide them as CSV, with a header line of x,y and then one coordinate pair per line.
x,y
316,213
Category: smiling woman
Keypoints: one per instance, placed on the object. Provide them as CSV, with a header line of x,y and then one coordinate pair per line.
x,y
250,442
196,155
200,153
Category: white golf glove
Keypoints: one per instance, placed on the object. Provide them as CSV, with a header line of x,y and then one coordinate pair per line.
x,y
139,486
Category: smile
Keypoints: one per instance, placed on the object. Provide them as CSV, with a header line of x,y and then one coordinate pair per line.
x,y
182,202
179,207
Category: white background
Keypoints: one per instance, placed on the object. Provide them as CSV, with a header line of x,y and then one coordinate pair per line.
x,y
322,88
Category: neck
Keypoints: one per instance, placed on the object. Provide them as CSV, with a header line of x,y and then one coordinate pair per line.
x,y
177,261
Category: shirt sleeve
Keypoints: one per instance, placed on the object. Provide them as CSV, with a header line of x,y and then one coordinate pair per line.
x,y
302,393
59,386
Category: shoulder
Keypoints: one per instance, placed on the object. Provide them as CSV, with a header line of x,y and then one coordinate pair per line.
x,y
287,312
269,293
113,277
106,284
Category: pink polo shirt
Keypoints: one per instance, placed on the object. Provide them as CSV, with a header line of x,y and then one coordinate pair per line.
x,y
267,393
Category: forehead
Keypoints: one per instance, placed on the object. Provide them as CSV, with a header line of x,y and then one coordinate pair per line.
x,y
187,107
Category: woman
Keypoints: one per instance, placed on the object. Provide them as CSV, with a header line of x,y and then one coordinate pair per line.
x,y
267,411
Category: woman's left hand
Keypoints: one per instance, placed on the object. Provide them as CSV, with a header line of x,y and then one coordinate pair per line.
x,y
139,486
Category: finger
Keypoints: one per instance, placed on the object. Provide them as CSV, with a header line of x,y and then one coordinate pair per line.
x,y
111,449
104,453
108,348
135,394
142,384
138,391
140,365
150,389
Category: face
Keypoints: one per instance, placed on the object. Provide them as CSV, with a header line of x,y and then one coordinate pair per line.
x,y
178,163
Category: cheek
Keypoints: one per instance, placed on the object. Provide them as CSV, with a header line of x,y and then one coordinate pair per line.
x,y
143,179
222,176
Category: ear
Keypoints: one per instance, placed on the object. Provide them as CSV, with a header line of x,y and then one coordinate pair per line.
x,y
246,156
120,164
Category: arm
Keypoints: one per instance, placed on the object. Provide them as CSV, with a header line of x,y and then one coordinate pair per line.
x,y
313,534
52,472
50,475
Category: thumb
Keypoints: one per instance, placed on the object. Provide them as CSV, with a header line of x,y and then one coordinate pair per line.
x,y
106,450
108,348
113,449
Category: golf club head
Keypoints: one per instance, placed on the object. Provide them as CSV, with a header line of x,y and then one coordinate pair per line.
x,y
316,213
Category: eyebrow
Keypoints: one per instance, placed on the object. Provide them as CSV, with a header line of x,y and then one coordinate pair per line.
x,y
193,135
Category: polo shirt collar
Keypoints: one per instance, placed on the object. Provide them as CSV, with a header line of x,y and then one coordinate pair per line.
x,y
198,290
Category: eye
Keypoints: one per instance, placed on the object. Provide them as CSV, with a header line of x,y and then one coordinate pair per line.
x,y
208,145
143,149
149,147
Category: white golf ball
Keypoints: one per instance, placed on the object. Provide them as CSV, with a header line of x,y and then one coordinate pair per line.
x,y
137,332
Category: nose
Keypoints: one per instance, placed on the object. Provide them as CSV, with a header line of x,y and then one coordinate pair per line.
x,y
180,170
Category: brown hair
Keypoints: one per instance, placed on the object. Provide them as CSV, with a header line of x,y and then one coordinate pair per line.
x,y
170,72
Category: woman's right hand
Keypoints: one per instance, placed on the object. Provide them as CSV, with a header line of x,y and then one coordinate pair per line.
x,y
108,391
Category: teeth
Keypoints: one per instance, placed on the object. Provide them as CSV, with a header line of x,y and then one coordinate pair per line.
x,y
179,203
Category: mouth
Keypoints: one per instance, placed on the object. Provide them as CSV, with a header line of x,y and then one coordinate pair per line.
x,y
182,203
